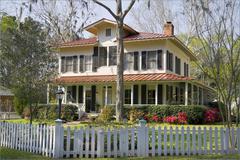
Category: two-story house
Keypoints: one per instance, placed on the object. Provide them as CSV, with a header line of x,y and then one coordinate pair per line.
x,y
156,69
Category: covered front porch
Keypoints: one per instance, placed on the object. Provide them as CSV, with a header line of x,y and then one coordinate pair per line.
x,y
89,97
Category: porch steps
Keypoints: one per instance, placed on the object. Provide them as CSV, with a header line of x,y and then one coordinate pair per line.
x,y
89,116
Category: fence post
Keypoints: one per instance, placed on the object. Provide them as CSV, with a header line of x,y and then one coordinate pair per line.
x,y
58,139
100,143
141,139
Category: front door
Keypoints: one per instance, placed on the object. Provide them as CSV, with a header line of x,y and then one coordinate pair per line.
x,y
88,100
91,99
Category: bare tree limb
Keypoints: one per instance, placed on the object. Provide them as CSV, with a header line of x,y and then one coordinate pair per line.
x,y
106,7
128,8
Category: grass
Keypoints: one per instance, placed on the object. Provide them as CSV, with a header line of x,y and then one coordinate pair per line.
x,y
14,154
114,124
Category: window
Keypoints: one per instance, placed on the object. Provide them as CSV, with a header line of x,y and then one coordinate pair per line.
x,y
95,59
144,60
112,55
108,32
63,61
69,64
75,63
129,61
71,94
127,96
151,96
102,56
135,65
88,63
169,94
177,65
82,64
169,61
159,59
151,60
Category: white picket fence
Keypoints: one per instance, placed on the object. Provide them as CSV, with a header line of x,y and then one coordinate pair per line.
x,y
56,141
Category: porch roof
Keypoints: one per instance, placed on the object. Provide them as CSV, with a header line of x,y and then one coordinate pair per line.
x,y
127,78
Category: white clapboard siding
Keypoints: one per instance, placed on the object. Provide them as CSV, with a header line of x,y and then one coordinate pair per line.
x,y
118,142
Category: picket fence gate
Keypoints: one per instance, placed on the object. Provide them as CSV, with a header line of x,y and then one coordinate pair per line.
x,y
57,141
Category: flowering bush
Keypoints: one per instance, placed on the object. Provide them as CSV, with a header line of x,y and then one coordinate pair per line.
x,y
182,118
170,119
212,115
155,118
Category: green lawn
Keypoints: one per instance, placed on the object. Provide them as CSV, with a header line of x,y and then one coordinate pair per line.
x,y
114,124
14,154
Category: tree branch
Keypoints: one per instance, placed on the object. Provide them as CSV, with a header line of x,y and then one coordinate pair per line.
x,y
128,9
104,6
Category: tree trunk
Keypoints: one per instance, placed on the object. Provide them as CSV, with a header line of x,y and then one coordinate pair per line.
x,y
120,86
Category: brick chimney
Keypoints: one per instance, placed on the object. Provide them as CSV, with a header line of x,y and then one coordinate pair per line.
x,y
168,29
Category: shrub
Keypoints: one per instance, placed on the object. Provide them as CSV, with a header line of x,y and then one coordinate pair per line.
x,y
212,115
68,112
135,114
195,114
170,119
182,118
155,118
107,114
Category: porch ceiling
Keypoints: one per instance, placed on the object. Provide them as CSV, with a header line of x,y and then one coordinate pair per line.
x,y
127,78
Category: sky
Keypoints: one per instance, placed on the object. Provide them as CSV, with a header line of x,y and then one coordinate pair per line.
x,y
11,7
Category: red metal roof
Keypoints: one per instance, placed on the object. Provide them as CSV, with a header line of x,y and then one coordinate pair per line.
x,y
82,41
127,78
140,36
145,35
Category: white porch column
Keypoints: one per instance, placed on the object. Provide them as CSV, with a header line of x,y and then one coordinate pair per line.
x,y
197,95
192,98
65,96
131,95
77,90
59,64
164,93
186,94
156,94
106,95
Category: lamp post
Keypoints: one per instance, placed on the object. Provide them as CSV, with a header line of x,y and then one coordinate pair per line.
x,y
59,94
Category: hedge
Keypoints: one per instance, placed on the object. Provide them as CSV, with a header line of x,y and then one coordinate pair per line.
x,y
195,113
68,112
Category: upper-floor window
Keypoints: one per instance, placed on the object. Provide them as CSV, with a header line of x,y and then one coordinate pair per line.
x,y
102,56
177,65
69,64
88,63
112,55
131,61
108,32
152,59
169,61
